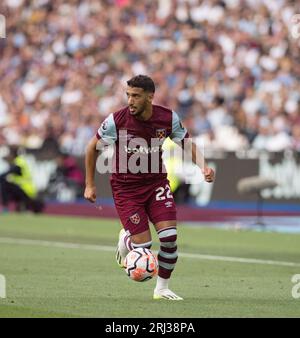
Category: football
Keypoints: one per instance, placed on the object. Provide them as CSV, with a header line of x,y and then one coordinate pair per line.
x,y
141,265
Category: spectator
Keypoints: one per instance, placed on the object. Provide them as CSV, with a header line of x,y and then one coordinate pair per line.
x,y
227,63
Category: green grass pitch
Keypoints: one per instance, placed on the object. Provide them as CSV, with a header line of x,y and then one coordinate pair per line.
x,y
49,276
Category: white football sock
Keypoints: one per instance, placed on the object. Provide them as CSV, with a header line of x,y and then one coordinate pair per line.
x,y
123,240
162,283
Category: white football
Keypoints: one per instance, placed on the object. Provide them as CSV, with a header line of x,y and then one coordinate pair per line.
x,y
141,264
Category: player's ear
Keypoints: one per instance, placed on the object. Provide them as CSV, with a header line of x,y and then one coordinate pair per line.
x,y
150,97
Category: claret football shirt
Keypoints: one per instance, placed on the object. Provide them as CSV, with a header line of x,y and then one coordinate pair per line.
x,y
138,144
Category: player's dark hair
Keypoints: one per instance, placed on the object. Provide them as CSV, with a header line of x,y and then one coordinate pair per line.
x,y
142,81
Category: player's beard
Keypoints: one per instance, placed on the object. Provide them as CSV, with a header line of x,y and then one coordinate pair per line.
x,y
139,111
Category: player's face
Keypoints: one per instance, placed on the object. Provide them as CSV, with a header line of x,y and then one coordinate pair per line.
x,y
137,99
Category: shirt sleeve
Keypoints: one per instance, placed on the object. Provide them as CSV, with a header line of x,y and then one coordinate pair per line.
x,y
108,131
178,131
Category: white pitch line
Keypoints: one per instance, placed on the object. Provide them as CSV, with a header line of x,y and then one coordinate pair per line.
x,y
238,259
65,245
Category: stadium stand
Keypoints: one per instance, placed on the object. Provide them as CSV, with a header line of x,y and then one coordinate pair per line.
x,y
233,79
235,68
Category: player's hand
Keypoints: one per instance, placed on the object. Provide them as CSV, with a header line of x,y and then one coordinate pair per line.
x,y
209,174
90,194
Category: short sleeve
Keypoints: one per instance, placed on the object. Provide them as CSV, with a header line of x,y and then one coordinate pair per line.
x,y
178,131
108,131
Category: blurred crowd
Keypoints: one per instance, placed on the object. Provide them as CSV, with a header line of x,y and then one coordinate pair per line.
x,y
230,68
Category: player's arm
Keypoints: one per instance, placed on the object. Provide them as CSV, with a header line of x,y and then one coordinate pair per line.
x,y
106,135
90,167
199,160
179,133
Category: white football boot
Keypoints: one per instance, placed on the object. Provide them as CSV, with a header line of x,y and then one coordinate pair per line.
x,y
122,250
165,294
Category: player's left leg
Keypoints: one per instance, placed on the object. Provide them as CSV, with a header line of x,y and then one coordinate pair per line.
x,y
161,210
167,258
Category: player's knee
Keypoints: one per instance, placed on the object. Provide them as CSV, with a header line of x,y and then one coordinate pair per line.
x,y
146,245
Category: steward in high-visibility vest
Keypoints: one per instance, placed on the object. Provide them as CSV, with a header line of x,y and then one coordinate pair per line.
x,y
17,186
24,180
172,163
174,166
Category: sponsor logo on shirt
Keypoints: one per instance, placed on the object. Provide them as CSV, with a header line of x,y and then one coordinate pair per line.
x,y
143,150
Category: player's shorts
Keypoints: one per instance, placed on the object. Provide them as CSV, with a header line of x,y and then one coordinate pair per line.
x,y
136,204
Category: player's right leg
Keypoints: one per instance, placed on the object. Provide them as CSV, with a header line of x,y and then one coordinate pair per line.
x,y
123,247
130,205
127,243
135,232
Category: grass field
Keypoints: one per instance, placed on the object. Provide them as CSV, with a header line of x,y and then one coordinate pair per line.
x,y
65,267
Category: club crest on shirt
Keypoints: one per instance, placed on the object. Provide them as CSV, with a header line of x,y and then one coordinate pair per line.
x,y
135,218
161,133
